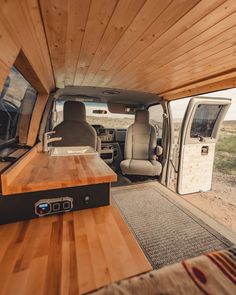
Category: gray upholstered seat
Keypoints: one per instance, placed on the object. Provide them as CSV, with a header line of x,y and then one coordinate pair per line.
x,y
75,130
140,148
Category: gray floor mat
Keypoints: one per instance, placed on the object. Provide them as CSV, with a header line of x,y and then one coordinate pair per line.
x,y
167,232
121,181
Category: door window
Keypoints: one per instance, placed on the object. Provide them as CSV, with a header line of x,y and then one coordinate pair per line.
x,y
204,120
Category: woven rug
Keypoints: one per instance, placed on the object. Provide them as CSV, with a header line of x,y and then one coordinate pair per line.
x,y
212,273
166,231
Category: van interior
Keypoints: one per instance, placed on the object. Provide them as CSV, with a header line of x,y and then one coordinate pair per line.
x,y
92,164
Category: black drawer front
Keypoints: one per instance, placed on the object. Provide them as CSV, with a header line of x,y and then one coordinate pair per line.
x,y
22,206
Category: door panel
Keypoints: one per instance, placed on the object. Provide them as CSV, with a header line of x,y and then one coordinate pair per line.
x,y
196,168
199,135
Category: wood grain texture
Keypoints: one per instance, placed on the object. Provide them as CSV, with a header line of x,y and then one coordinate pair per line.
x,y
147,45
24,67
23,43
17,154
14,169
36,118
21,28
39,171
71,253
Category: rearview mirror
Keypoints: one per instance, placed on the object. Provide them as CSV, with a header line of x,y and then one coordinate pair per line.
x,y
130,110
100,112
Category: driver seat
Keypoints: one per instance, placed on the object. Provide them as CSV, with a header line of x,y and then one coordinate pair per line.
x,y
75,130
141,148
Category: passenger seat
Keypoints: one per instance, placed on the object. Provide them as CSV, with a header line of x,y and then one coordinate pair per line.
x,y
75,130
141,148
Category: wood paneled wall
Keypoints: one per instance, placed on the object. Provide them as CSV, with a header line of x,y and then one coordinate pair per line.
x,y
23,43
21,28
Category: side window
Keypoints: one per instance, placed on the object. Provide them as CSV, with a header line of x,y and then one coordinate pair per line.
x,y
204,120
16,105
156,119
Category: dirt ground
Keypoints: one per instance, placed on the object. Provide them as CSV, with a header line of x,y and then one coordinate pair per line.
x,y
220,202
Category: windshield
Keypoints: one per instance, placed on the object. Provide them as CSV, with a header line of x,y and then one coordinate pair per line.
x,y
98,114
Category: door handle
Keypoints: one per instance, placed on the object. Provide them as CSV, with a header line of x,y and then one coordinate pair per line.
x,y
205,150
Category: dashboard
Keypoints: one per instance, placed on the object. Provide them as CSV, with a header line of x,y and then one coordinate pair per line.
x,y
112,144
110,134
106,135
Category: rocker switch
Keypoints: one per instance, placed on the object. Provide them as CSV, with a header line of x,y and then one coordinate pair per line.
x,y
86,200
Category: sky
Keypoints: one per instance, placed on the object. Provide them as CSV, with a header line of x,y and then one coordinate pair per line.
x,y
179,106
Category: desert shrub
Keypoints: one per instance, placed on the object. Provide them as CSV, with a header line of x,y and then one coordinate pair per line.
x,y
225,159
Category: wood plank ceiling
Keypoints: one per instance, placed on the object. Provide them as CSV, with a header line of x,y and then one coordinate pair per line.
x,y
172,47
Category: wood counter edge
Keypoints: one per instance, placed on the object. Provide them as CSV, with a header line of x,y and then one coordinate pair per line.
x,y
10,175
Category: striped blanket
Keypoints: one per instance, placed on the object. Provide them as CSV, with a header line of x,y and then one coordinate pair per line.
x,y
212,273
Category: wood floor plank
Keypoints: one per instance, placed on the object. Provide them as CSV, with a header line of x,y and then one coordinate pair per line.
x,y
69,260
7,265
86,275
17,284
72,253
112,259
37,270
44,228
65,284
125,258
100,269
138,256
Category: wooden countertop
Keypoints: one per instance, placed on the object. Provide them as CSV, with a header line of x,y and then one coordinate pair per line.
x,y
72,253
44,172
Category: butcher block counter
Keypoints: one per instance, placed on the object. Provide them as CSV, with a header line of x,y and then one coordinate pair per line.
x,y
39,171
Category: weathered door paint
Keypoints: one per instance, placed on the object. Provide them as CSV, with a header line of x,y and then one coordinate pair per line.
x,y
199,134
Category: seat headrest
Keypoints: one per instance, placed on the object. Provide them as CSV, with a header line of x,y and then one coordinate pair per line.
x,y
142,116
74,111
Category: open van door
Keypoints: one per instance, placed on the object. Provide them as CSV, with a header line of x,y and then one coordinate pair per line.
x,y
199,134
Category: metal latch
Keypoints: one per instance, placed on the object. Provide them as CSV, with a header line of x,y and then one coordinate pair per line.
x,y
205,150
